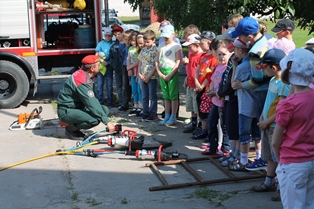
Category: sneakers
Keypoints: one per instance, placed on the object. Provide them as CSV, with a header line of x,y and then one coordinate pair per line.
x,y
197,130
139,112
201,135
144,116
208,152
259,164
264,188
276,196
189,129
133,111
74,133
188,125
122,108
172,121
151,118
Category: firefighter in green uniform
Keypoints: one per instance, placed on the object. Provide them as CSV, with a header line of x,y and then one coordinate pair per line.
x,y
77,105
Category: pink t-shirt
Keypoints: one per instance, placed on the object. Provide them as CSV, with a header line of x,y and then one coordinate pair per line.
x,y
296,115
216,78
285,45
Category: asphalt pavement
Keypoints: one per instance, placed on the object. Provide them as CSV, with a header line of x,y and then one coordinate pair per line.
x,y
112,180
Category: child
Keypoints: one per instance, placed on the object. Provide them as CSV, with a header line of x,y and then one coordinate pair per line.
x,y
195,53
103,48
117,53
167,64
247,112
277,90
132,68
292,139
216,111
248,31
284,29
228,94
203,73
233,20
148,76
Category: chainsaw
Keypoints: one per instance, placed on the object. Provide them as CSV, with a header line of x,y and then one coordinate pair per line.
x,y
27,121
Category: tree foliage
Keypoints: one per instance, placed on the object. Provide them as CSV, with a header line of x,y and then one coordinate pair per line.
x,y
209,14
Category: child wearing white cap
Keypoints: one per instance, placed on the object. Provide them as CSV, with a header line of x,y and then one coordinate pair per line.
x,y
292,140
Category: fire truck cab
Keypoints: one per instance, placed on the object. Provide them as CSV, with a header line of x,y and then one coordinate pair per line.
x,y
34,36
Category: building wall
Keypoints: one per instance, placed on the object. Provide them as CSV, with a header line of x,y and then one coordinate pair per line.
x,y
124,9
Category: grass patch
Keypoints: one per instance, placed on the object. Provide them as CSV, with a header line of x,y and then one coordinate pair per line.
x,y
129,20
75,197
214,196
124,201
92,202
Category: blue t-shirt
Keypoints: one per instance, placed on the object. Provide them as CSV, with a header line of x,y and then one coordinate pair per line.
x,y
245,96
276,89
104,46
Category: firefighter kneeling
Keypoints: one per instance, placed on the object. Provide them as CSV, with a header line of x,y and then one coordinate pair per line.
x,y
77,105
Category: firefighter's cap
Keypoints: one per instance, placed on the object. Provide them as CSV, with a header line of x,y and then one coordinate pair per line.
x,y
90,59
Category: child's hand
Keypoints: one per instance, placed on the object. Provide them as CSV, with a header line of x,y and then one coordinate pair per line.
x,y
211,93
263,125
185,60
237,84
130,73
235,60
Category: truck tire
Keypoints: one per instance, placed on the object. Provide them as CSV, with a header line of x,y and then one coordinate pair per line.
x,y
14,85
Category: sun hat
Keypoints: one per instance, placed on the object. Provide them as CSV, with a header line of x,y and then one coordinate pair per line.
x,y
300,63
225,35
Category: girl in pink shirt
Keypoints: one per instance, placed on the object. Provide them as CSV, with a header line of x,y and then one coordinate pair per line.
x,y
293,138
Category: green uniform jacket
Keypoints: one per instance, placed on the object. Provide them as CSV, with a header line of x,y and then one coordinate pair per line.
x,y
78,93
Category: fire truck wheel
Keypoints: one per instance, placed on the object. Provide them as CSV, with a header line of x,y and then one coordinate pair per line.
x,y
14,85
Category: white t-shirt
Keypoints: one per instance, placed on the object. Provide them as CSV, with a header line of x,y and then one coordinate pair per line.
x,y
167,55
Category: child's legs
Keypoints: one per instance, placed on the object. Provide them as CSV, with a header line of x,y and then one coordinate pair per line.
x,y
126,88
191,102
134,86
224,138
152,89
212,122
100,88
109,85
296,182
119,87
267,151
145,97
244,133
173,84
256,137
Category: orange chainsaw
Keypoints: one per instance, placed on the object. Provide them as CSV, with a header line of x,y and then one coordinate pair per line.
x,y
28,121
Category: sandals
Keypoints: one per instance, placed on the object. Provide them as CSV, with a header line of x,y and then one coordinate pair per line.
x,y
264,188
164,121
236,167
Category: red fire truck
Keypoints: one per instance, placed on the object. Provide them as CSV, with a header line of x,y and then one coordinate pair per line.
x,y
35,39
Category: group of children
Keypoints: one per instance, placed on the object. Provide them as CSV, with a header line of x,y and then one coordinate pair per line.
x,y
242,86
248,87
136,60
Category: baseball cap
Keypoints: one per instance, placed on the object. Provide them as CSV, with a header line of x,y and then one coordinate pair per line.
x,y
284,24
271,57
207,34
117,28
167,31
163,24
225,35
192,39
107,31
246,26
90,59
241,44
299,62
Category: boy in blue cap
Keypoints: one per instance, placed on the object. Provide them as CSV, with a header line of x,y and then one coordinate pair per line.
x,y
277,91
248,31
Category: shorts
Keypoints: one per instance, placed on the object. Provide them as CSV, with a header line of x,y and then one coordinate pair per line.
x,y
190,100
248,129
267,150
232,119
201,115
170,89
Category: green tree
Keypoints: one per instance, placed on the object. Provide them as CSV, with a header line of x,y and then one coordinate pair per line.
x,y
209,14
